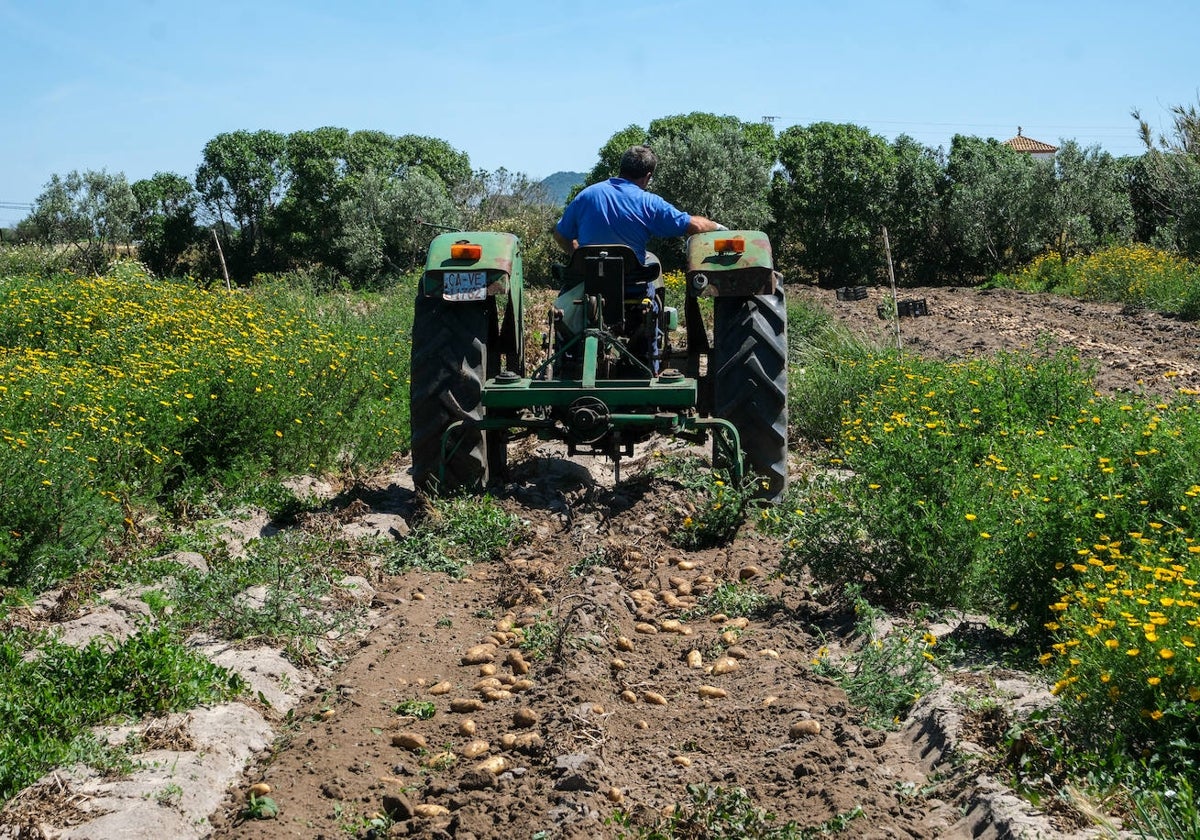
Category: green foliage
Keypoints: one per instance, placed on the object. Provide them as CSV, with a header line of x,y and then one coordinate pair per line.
x,y
716,813
1008,486
419,709
89,214
1168,181
388,221
540,638
456,532
54,693
165,226
736,599
999,205
1137,276
888,671
715,508
114,391
829,196
510,202
277,592
260,808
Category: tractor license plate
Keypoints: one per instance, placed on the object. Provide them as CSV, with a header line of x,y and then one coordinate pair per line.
x,y
464,285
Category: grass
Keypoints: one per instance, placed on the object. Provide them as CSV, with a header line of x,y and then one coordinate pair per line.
x,y
714,813
54,693
118,391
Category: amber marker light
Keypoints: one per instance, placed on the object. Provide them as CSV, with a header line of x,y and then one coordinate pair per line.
x,y
466,251
736,245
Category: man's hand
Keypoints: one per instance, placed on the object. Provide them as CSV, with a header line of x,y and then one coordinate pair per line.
x,y
699,224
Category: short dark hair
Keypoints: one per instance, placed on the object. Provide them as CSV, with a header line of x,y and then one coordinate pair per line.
x,y
638,162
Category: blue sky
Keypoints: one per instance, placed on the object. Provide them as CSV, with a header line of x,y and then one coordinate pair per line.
x,y
139,86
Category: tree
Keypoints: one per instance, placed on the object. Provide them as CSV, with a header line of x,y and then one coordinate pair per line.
x,y
913,210
998,205
608,159
90,212
387,222
1091,204
242,179
1171,178
306,221
165,226
714,172
511,202
829,199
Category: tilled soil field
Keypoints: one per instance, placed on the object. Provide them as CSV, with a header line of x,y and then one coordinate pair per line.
x,y
638,698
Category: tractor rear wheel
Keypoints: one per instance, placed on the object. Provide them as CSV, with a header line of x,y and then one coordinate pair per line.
x,y
449,354
750,381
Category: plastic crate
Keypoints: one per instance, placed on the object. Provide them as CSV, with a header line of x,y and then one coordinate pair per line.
x,y
852,293
905,308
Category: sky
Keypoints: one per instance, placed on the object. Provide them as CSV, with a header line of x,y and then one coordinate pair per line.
x,y
140,86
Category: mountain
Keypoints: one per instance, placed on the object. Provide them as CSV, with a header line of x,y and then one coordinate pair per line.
x,y
559,185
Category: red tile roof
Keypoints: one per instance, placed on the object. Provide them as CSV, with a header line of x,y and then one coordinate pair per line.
x,y
1022,143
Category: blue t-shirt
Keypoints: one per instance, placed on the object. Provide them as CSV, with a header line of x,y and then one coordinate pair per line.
x,y
619,211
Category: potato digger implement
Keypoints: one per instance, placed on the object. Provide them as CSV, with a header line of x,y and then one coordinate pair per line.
x,y
610,376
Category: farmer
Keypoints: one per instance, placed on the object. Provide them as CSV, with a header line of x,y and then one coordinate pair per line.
x,y
622,210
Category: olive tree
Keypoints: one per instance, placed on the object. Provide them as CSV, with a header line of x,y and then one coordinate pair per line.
x,y
241,180
388,221
1170,179
165,226
829,197
1090,204
88,213
998,206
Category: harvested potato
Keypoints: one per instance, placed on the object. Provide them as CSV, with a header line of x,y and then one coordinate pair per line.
x,y
711,692
410,741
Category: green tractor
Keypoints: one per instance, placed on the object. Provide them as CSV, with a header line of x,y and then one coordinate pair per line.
x,y
611,376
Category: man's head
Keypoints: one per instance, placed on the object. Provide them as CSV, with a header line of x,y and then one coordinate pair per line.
x,y
637,163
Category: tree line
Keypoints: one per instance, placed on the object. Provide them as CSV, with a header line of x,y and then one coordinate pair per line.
x,y
359,207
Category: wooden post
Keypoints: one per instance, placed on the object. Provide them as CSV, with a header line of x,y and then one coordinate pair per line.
x,y
887,249
221,255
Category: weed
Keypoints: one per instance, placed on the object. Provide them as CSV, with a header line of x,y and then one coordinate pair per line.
x,y
735,600
540,638
455,533
715,812
260,808
419,709
887,673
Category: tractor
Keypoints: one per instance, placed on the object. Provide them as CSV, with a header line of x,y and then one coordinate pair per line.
x,y
610,375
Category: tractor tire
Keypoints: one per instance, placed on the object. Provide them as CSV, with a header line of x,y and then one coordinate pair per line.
x,y
449,352
750,382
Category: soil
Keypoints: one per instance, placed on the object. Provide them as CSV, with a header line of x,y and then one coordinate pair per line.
x,y
602,732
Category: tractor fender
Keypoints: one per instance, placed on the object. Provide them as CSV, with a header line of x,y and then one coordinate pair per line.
x,y
730,263
459,273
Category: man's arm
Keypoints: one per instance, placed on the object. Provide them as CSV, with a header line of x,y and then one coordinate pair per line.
x,y
567,245
699,224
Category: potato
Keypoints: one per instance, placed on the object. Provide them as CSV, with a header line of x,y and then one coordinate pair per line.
x,y
429,809
711,692
259,789
525,718
681,761
479,654
474,749
725,665
442,687
410,741
466,704
645,629
467,727
804,729
624,643
654,698
495,765
694,659
617,664
628,696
